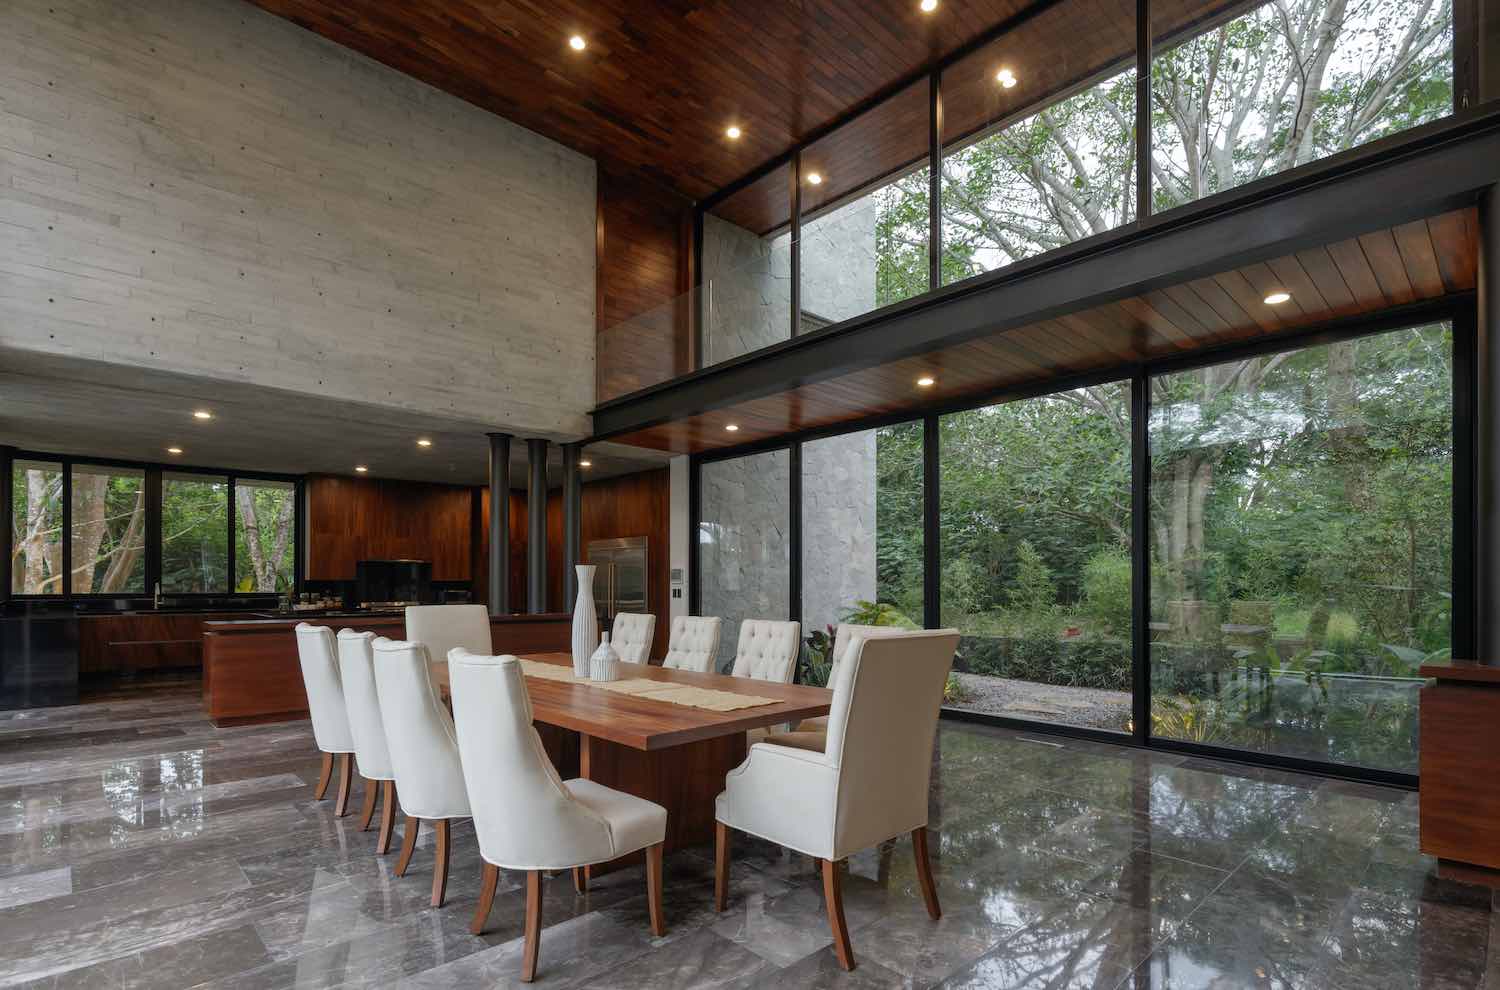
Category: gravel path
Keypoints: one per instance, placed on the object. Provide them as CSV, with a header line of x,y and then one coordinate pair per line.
x,y
1091,707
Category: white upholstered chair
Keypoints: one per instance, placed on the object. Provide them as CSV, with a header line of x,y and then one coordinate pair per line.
x,y
693,643
357,672
441,628
325,702
842,637
869,786
526,816
631,636
767,650
424,752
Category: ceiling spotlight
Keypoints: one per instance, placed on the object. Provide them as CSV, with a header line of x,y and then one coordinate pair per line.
x,y
734,133
577,43
360,468
814,179
926,381
424,442
1278,297
732,427
1006,78
174,450
928,6
202,414
585,463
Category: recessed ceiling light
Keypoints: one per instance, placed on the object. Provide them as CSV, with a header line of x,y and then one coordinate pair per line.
x,y
424,442
734,133
577,43
928,6
1278,297
926,381
202,414
813,178
360,468
732,427
1006,78
174,450
585,463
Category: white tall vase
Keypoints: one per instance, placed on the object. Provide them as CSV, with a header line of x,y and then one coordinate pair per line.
x,y
585,621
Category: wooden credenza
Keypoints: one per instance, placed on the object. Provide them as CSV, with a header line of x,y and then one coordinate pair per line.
x,y
1460,763
251,672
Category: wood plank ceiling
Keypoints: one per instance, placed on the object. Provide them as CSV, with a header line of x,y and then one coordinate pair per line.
x,y
1409,263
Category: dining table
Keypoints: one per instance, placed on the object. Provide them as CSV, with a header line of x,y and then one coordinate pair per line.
x,y
676,755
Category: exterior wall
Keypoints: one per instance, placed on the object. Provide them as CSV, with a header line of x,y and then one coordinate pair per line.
x,y
744,543
838,527
747,279
198,186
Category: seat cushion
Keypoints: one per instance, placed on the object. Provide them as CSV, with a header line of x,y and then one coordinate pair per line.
x,y
819,724
813,741
634,823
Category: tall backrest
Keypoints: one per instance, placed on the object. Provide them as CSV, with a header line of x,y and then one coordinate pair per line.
x,y
847,631
631,636
886,696
419,731
767,650
357,671
445,627
325,695
693,643
524,816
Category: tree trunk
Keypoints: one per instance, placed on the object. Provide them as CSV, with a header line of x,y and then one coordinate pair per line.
x,y
128,551
89,526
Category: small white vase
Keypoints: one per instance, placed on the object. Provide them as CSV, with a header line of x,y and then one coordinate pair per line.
x,y
602,665
585,622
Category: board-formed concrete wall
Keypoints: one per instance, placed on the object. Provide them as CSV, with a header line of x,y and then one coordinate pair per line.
x,y
201,187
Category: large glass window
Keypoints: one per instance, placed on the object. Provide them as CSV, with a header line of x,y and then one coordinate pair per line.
x,y
36,528
108,549
746,296
744,542
1035,537
1288,83
194,533
861,535
1301,555
265,550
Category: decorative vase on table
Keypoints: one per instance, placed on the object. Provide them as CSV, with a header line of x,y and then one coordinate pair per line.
x,y
585,622
604,664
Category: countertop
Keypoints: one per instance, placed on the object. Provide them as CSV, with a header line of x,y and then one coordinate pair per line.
x,y
287,619
1473,671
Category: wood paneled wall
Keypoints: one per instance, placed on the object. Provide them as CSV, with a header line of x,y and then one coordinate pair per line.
x,y
643,265
354,519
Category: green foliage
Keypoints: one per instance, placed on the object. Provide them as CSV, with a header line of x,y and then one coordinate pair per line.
x,y
1032,590
863,613
1107,590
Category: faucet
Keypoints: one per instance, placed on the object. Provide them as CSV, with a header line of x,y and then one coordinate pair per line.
x,y
156,598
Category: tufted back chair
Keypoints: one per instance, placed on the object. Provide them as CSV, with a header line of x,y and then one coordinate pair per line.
x,y
631,636
443,627
767,650
325,693
693,643
419,731
525,818
357,670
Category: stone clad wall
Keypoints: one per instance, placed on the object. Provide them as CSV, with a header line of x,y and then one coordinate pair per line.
x,y
205,188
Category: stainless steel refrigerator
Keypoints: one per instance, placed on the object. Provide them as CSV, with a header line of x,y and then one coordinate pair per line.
x,y
620,581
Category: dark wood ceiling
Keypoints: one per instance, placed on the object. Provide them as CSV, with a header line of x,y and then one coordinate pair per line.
x,y
1394,266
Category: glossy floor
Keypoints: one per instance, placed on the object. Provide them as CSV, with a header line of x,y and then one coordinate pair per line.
x,y
141,847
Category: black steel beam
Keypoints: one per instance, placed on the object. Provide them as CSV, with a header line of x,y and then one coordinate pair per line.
x,y
536,526
7,512
499,522
1426,171
1486,376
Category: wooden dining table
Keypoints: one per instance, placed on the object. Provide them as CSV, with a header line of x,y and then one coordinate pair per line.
x,y
673,754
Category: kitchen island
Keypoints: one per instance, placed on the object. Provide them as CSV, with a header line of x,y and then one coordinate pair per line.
x,y
251,672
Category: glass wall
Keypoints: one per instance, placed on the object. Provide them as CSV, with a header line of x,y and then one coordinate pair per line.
x,y
862,539
744,542
194,533
746,295
108,538
1302,541
1035,537
265,518
1285,84
36,528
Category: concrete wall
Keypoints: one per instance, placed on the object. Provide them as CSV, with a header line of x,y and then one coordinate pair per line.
x,y
838,526
749,290
200,187
744,543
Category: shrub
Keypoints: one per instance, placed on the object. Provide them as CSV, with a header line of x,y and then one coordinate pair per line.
x,y
1106,590
1093,661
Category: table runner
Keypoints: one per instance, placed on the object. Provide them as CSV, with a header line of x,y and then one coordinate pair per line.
x,y
642,687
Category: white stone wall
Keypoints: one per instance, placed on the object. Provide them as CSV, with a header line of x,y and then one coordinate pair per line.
x,y
744,542
198,186
838,526
747,282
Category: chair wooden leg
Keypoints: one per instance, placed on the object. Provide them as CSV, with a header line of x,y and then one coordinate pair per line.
x,y
440,863
486,898
721,866
387,816
324,776
653,888
924,873
533,925
346,781
581,879
833,893
408,844
372,791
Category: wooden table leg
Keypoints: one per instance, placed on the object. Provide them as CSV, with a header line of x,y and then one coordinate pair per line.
x,y
653,889
721,866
